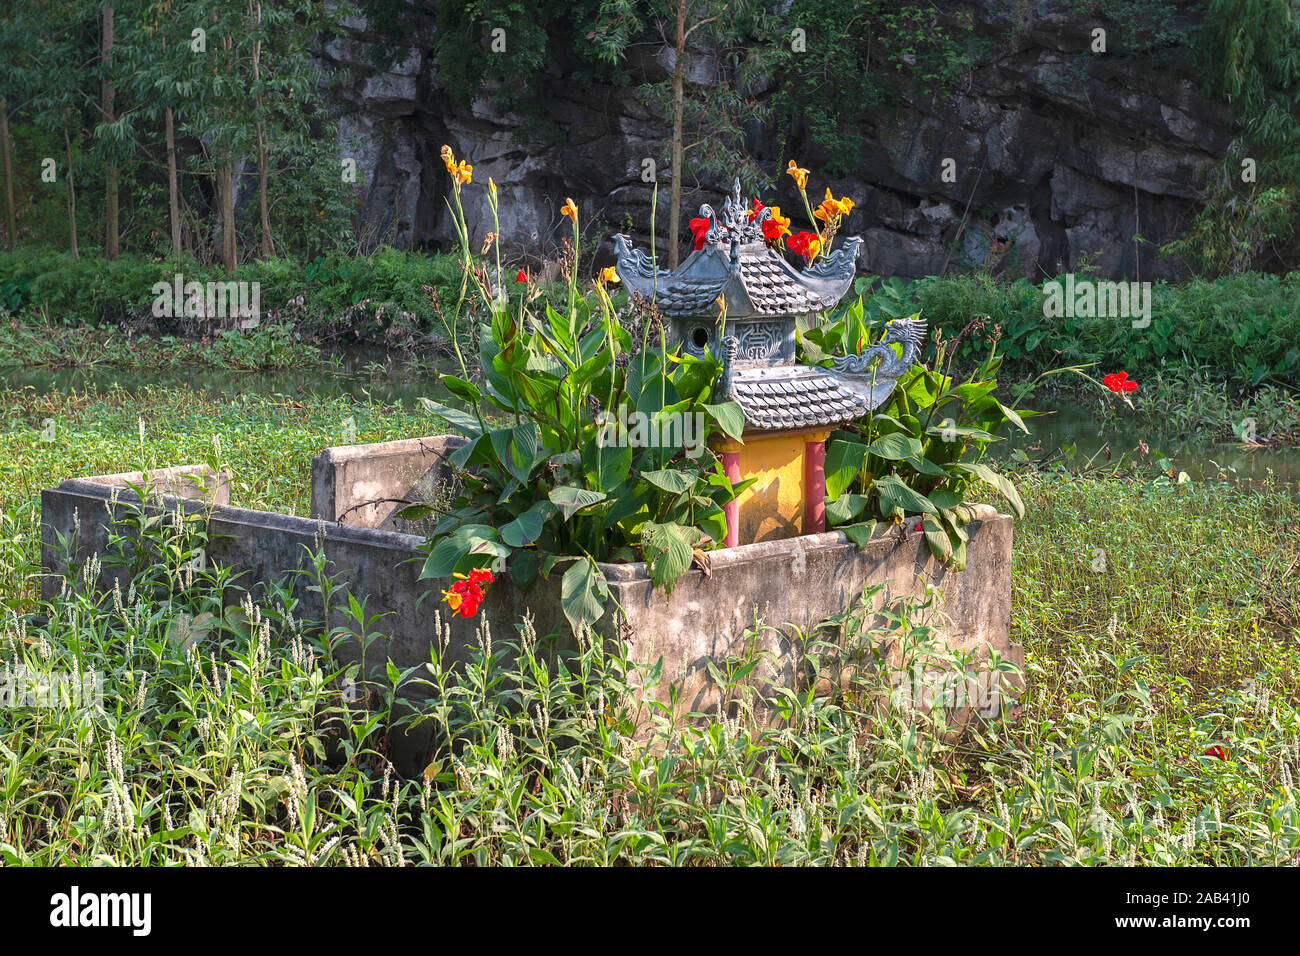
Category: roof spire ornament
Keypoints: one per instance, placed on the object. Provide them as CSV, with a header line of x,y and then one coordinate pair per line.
x,y
763,295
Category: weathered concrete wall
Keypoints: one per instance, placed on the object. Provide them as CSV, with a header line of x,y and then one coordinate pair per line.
x,y
367,485
765,597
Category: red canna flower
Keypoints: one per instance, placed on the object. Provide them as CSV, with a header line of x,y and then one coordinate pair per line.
x,y
478,577
466,594
806,244
523,276
1119,382
1217,752
917,526
699,228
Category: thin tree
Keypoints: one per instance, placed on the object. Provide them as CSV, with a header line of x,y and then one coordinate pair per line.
x,y
107,95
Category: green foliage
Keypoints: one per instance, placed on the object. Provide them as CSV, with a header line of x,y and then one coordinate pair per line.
x,y
1246,50
1245,329
547,482
858,56
920,452
235,741
99,291
1137,28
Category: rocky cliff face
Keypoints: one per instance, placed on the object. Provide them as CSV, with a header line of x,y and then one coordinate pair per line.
x,y
1056,157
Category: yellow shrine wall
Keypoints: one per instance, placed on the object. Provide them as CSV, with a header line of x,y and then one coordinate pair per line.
x,y
772,507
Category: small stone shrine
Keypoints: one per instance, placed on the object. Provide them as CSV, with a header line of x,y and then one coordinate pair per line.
x,y
737,298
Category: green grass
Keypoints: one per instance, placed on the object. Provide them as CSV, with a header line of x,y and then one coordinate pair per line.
x,y
241,749
44,345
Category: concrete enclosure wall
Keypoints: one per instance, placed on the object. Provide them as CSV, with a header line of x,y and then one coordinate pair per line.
x,y
768,596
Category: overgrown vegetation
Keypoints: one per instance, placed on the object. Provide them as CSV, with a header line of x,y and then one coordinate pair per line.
x,y
233,743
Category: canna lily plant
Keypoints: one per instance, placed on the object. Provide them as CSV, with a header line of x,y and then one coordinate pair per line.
x,y
923,451
546,485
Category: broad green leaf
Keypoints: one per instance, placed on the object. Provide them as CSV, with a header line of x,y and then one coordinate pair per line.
x,y
926,467
571,499
461,388
936,536
843,462
861,532
516,449
1013,417
895,447
845,508
463,422
527,528
668,552
898,500
450,553
674,481
945,498
729,417
582,593
1000,482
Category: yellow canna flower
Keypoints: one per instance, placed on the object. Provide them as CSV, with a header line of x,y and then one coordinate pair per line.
x,y
799,175
492,190
609,274
570,210
449,160
487,242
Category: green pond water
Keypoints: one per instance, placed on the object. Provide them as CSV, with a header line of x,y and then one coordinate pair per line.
x,y
1069,425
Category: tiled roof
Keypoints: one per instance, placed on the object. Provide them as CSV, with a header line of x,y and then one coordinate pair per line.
x,y
758,283
794,396
774,289
687,296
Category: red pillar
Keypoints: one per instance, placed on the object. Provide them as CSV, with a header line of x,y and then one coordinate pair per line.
x,y
731,465
814,486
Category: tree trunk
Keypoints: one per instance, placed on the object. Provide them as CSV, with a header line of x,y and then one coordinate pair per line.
x,y
226,191
11,217
679,82
226,210
110,174
173,192
72,199
268,247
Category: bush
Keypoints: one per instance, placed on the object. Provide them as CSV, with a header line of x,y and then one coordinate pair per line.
x,y
1245,328
93,291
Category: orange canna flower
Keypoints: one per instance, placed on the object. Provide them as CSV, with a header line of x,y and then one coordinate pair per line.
x,y
570,210
449,160
463,172
609,274
799,174
832,208
487,242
